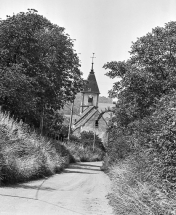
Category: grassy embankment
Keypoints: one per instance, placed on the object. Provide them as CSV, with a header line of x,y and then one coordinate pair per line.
x,y
24,155
138,189
143,164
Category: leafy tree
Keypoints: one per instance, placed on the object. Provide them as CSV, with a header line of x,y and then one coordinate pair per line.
x,y
13,90
46,66
52,123
148,74
145,110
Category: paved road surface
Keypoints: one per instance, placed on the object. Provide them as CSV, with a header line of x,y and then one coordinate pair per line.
x,y
81,189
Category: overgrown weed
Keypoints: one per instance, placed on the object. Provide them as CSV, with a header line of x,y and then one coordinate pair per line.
x,y
137,188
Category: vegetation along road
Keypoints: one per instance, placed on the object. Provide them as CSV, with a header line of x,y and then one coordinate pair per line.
x,y
80,189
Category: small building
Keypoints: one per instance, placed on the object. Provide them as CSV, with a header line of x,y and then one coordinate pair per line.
x,y
89,109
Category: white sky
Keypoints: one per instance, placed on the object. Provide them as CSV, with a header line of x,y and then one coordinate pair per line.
x,y
106,27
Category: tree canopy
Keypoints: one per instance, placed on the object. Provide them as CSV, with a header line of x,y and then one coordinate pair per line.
x,y
38,65
145,111
149,73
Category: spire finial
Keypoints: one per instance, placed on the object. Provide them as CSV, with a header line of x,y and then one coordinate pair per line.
x,y
92,61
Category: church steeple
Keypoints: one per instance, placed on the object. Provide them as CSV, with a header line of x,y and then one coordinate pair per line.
x,y
92,63
90,93
92,85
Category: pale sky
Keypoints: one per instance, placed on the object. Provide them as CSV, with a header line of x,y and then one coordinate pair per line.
x,y
105,27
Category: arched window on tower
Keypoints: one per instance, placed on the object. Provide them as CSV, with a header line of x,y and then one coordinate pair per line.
x,y
90,100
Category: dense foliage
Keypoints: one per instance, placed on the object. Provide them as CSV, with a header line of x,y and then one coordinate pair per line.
x,y
144,81
144,117
38,67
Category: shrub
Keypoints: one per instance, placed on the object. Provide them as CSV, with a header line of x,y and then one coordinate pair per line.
x,y
87,137
74,138
83,153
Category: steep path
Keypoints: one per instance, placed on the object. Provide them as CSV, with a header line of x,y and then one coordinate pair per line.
x,y
81,189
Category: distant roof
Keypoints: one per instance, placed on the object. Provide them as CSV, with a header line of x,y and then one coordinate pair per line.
x,y
92,86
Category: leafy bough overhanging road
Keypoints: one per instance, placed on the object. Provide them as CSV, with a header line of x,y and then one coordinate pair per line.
x,y
80,189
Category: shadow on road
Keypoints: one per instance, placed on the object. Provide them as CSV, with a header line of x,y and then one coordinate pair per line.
x,y
24,186
69,171
81,164
82,168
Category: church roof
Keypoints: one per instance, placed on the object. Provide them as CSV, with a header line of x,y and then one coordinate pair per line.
x,y
92,86
86,111
85,119
86,115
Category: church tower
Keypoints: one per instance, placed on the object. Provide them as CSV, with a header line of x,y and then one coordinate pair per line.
x,y
89,109
90,93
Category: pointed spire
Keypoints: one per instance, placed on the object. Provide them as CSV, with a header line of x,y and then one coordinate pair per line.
x,y
92,86
92,71
92,68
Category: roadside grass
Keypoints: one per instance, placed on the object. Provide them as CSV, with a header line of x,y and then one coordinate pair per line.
x,y
137,188
25,155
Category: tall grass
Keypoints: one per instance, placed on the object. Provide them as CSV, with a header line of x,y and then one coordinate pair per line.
x,y
137,188
24,155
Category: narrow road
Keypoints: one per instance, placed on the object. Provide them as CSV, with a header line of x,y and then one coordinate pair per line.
x,y
80,189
